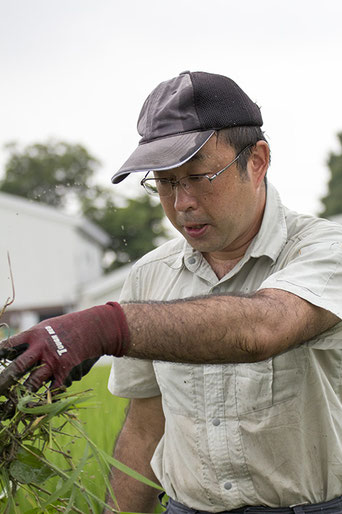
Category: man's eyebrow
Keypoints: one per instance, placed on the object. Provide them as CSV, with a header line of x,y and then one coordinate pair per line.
x,y
198,157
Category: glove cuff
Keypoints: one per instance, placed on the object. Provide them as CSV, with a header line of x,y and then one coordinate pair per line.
x,y
121,330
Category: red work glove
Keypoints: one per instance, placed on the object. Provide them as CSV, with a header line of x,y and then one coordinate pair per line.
x,y
64,347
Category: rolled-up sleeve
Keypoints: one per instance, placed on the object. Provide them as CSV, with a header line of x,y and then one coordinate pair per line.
x,y
314,273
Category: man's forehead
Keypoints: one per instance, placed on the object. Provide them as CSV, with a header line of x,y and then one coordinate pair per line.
x,y
210,152
209,156
214,148
206,153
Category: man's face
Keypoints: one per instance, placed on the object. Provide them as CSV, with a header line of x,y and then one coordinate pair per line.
x,y
219,223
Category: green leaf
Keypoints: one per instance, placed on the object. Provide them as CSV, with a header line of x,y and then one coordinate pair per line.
x,y
8,492
130,472
39,510
68,508
50,409
114,462
28,468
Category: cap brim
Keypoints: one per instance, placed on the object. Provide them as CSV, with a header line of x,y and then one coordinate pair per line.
x,y
163,154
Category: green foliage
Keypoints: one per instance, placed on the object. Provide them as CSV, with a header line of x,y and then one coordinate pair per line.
x,y
28,436
49,172
101,419
333,200
56,455
134,229
28,466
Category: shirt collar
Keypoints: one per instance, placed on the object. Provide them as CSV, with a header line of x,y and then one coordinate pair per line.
x,y
272,235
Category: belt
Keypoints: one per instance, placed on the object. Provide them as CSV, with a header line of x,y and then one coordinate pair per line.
x,y
331,506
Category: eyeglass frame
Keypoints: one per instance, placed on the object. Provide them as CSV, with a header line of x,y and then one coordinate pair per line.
x,y
178,182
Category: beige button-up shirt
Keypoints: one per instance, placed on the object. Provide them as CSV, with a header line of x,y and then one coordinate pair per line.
x,y
267,432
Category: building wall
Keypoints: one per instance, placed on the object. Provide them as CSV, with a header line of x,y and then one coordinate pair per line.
x,y
52,258
104,289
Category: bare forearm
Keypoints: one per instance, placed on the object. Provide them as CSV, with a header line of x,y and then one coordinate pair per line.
x,y
135,447
188,331
132,495
222,329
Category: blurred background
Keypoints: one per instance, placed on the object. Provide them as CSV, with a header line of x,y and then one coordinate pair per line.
x,y
74,75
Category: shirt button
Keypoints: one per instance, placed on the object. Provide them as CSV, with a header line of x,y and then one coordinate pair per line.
x,y
227,485
216,422
192,260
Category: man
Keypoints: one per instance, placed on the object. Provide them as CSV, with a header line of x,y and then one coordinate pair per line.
x,y
231,335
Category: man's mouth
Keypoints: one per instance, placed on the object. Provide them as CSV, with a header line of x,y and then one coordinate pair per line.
x,y
195,230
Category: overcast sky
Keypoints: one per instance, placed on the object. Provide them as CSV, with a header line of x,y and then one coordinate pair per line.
x,y
79,70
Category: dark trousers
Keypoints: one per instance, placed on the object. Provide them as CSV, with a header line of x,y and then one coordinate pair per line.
x,y
331,507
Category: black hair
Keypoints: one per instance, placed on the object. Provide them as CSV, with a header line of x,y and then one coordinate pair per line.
x,y
239,138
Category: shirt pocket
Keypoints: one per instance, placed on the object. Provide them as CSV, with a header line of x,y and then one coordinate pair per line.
x,y
253,386
289,373
260,385
177,386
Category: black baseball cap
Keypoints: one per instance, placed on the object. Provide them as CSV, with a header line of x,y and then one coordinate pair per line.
x,y
179,117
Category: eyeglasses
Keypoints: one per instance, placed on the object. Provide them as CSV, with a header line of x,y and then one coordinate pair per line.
x,y
193,185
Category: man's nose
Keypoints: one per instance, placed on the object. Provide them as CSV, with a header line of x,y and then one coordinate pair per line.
x,y
182,200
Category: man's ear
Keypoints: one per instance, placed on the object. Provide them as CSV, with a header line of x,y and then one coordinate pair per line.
x,y
258,162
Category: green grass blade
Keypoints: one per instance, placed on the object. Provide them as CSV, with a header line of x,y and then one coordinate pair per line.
x,y
50,409
66,477
71,500
114,462
130,472
68,484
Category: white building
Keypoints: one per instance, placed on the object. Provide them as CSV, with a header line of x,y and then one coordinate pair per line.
x,y
104,289
54,257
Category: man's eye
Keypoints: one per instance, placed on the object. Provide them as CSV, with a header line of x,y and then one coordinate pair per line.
x,y
164,180
195,178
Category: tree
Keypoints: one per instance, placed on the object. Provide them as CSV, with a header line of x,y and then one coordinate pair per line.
x,y
56,173
50,173
333,200
134,229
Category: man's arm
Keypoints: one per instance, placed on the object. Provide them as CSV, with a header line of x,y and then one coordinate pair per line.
x,y
224,329
143,429
214,329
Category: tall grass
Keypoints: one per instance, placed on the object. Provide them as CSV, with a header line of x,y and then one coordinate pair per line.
x,y
102,419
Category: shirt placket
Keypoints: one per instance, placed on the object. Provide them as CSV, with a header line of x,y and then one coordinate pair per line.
x,y
218,443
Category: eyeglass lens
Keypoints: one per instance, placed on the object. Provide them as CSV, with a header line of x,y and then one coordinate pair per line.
x,y
192,185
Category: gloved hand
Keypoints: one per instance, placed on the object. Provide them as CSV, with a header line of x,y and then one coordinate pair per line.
x,y
64,347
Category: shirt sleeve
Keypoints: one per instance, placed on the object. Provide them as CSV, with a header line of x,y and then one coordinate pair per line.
x,y
314,273
132,378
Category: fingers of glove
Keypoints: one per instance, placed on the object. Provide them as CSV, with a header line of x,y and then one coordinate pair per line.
x,y
38,377
17,369
57,385
12,353
80,370
28,359
13,342
67,382
8,377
